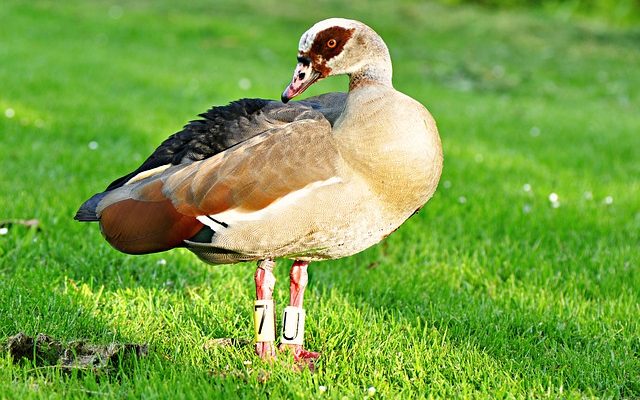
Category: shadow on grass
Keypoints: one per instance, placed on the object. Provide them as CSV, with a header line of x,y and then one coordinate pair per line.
x,y
539,334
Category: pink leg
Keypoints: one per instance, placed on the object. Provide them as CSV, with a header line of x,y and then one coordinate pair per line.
x,y
298,279
265,283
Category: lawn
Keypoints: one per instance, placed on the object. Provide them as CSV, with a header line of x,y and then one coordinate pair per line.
x,y
519,279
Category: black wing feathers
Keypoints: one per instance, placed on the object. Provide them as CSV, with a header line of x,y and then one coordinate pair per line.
x,y
220,128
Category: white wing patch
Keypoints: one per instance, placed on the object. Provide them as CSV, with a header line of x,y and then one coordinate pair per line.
x,y
230,217
147,173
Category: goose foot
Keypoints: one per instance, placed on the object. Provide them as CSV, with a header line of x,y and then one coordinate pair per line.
x,y
299,353
303,358
266,350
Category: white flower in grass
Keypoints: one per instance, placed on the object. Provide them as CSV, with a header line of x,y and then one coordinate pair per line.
x,y
9,112
4,230
526,187
554,199
322,388
534,131
162,261
446,184
526,208
608,200
115,12
244,84
462,199
93,145
371,391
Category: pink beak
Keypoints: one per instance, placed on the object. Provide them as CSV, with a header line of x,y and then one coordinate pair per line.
x,y
303,77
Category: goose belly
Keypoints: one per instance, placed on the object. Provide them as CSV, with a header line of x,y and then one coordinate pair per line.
x,y
335,221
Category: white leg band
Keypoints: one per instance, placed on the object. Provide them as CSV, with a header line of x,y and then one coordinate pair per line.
x,y
293,325
264,321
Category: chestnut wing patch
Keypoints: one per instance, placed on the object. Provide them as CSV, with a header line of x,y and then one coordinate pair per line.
x,y
159,212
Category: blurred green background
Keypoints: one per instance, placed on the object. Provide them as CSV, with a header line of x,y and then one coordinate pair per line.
x,y
618,12
519,279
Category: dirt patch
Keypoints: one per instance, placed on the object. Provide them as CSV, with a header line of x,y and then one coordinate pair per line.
x,y
77,355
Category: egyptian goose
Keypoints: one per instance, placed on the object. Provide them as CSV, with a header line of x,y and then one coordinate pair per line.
x,y
318,179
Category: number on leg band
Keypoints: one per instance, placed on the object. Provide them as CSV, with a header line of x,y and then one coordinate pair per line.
x,y
264,321
293,325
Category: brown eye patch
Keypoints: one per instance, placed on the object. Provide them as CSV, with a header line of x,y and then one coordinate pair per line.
x,y
330,42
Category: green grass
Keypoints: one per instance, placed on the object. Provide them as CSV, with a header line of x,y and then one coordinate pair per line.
x,y
489,292
617,12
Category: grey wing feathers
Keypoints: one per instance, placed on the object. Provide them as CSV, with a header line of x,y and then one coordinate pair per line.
x,y
226,126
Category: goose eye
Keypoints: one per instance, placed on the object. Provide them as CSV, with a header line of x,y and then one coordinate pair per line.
x,y
331,43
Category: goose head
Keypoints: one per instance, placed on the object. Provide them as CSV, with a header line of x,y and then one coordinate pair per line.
x,y
339,46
